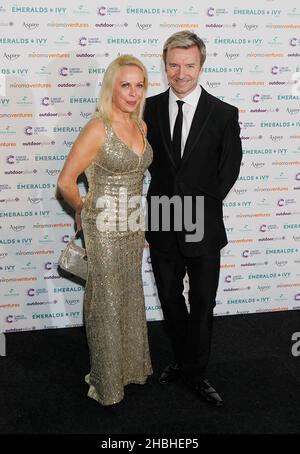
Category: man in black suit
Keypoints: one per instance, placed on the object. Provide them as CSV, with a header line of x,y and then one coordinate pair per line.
x,y
197,152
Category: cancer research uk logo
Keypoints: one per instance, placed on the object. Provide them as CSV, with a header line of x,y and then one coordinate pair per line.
x,y
212,12
107,11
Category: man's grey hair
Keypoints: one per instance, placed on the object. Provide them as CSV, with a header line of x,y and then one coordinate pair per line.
x,y
185,40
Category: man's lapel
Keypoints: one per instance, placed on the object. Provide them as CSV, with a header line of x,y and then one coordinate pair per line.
x,y
200,120
164,124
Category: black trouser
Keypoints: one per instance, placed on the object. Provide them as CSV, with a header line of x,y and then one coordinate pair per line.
x,y
189,332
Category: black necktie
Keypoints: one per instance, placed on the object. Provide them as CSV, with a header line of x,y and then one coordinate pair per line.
x,y
177,132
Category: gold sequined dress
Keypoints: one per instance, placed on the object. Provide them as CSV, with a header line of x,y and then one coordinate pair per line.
x,y
114,307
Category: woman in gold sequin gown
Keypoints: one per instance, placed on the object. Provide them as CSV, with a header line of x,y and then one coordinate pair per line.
x,y
114,153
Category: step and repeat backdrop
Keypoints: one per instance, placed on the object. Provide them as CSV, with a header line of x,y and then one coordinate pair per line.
x,y
52,63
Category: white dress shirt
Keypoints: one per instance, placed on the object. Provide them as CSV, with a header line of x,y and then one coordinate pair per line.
x,y
188,109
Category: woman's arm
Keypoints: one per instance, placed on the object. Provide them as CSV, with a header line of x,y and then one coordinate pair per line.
x,y
82,153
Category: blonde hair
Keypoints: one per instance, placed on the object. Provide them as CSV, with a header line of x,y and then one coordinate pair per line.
x,y
185,40
104,104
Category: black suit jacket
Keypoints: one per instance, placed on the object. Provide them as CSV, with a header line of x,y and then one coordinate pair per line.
x,y
209,167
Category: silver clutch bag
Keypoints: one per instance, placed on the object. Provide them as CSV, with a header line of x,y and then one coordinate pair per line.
x,y
73,260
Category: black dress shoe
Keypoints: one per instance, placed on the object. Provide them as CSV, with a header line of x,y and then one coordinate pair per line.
x,y
204,389
170,373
